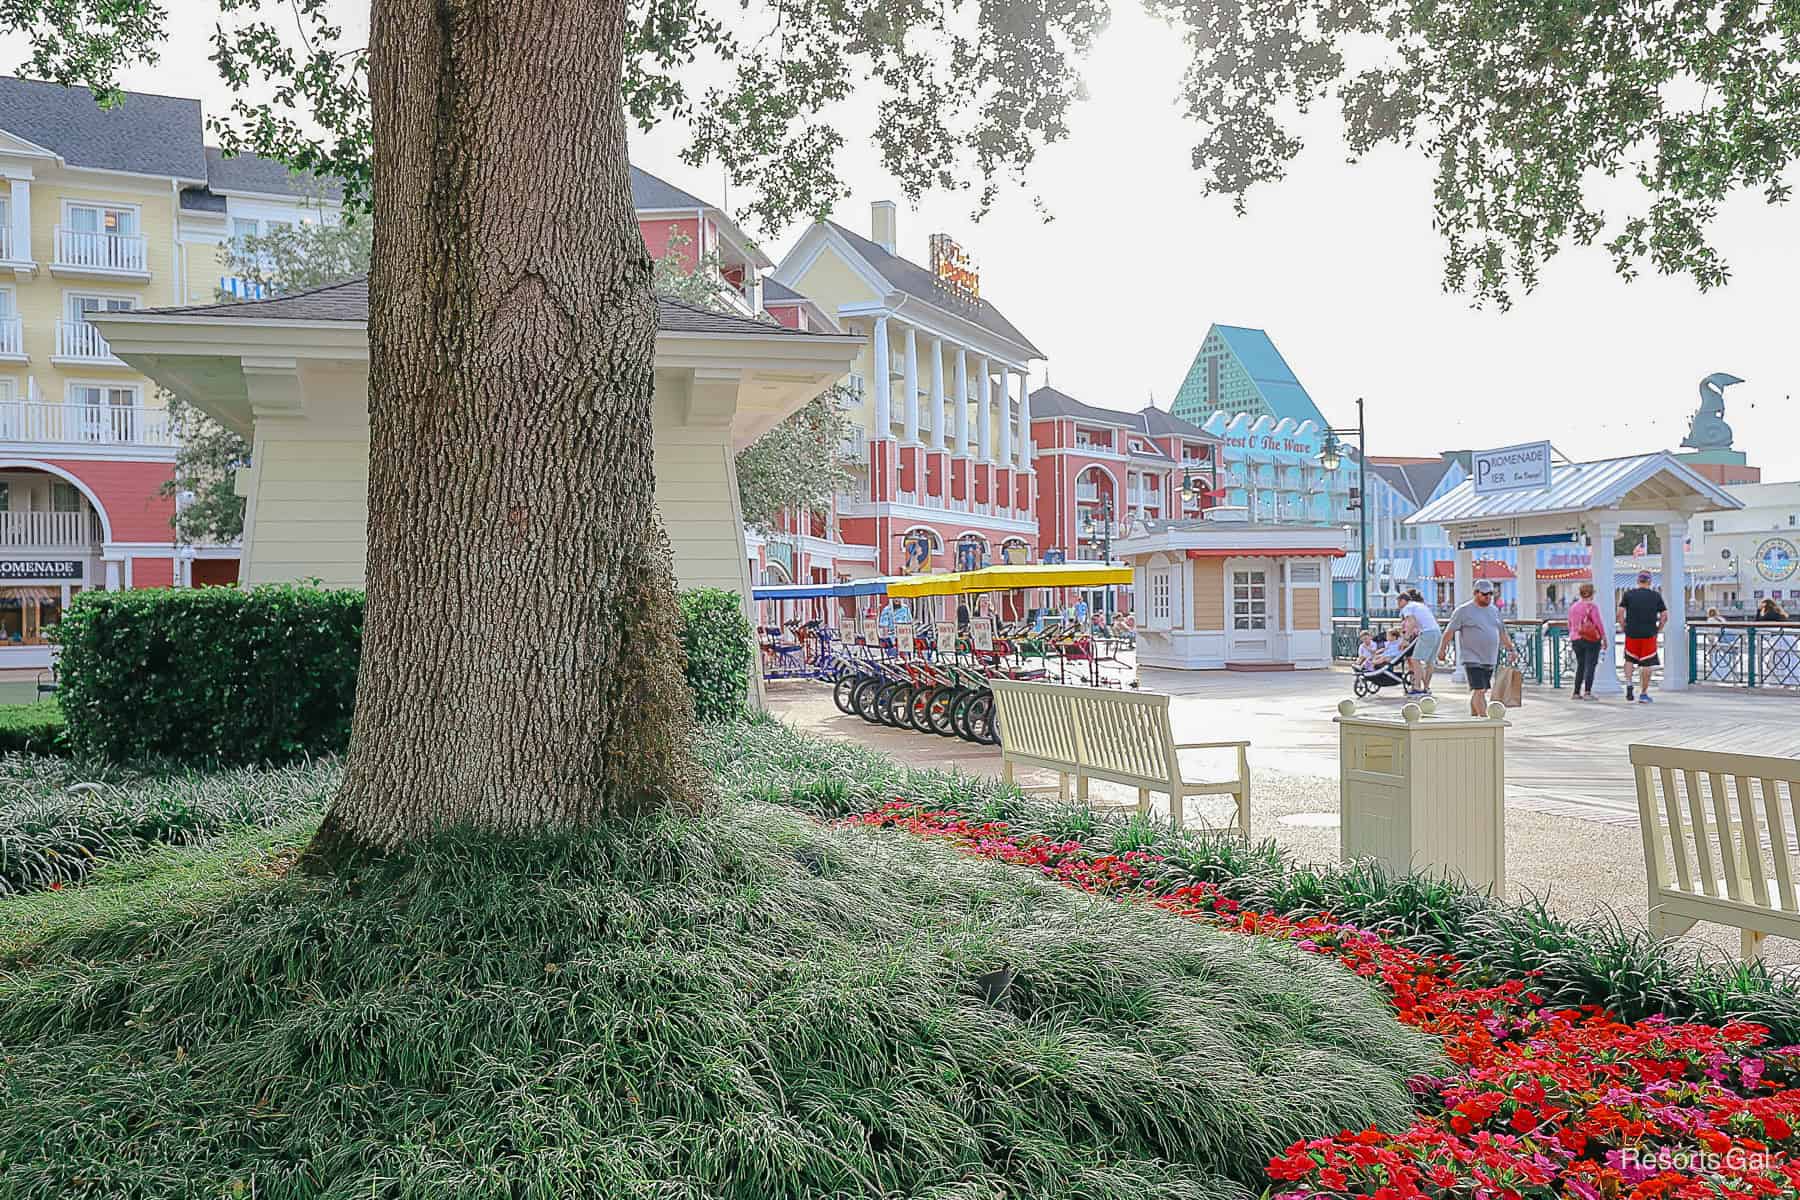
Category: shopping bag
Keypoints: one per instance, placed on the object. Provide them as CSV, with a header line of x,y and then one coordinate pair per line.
x,y
1509,686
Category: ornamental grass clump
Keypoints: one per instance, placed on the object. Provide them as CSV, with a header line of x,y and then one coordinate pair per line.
x,y
59,819
751,1005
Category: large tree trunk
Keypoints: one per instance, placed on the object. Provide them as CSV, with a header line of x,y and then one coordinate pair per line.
x,y
521,667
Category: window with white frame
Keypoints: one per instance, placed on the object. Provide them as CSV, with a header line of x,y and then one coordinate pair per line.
x,y
80,305
1249,600
64,497
101,218
1159,598
9,389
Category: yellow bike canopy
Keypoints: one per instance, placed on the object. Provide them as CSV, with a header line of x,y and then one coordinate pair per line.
x,y
1004,577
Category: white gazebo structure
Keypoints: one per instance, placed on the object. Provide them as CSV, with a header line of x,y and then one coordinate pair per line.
x,y
1590,500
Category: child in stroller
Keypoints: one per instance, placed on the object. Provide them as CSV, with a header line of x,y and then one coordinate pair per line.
x,y
1382,666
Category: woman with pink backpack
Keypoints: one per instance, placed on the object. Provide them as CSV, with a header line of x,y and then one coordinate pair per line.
x,y
1587,637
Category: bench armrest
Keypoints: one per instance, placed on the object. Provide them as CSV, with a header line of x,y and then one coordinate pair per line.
x,y
1212,745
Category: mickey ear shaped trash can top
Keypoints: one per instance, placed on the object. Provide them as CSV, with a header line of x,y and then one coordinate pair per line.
x,y
1422,792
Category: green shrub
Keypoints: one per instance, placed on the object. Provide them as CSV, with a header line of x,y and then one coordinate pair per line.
x,y
222,676
741,1006
33,729
717,639
210,675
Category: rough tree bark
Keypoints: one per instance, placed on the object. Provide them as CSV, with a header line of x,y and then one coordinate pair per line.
x,y
521,667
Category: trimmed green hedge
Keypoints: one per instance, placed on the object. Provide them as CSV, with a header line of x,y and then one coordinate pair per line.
x,y
716,636
212,676
33,729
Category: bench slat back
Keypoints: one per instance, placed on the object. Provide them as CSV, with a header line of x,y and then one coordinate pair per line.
x,y
1723,825
1121,736
1125,735
1036,724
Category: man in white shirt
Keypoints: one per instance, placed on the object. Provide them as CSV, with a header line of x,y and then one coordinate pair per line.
x,y
1425,630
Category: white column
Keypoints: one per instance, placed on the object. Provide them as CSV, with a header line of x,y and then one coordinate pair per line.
x,y
20,249
1674,590
910,367
1528,583
884,412
984,399
1464,591
1024,422
937,394
962,402
113,583
1004,416
1606,675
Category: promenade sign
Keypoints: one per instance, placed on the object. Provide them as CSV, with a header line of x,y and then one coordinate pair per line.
x,y
1523,468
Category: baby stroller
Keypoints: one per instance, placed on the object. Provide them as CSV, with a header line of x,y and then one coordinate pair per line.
x,y
1389,674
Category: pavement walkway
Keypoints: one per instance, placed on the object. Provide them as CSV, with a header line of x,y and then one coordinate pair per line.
x,y
1571,824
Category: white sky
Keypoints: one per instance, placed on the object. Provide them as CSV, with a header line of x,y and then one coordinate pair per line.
x,y
1339,263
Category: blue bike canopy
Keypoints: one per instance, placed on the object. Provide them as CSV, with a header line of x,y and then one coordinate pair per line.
x,y
819,591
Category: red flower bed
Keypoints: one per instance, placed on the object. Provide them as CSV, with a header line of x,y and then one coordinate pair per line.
x,y
1539,1102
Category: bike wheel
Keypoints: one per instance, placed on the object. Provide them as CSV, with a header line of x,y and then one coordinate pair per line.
x,y
862,699
842,690
898,710
980,720
937,711
919,711
959,716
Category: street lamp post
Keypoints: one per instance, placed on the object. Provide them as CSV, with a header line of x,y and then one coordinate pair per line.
x,y
1330,455
1100,521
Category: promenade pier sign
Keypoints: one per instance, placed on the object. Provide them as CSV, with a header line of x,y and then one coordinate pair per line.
x,y
1524,468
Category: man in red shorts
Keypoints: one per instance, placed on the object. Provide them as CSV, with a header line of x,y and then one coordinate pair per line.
x,y
1642,615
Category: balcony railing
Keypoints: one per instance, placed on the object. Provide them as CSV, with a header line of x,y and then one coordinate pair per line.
x,y
125,253
49,529
12,333
80,341
93,424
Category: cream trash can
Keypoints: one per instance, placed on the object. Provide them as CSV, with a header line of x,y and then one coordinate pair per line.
x,y
1424,792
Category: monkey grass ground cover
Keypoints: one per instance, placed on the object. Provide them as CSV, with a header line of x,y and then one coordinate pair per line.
x,y
751,1004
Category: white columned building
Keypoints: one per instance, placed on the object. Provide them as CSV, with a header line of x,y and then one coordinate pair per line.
x,y
937,393
984,401
884,408
1592,500
962,402
911,383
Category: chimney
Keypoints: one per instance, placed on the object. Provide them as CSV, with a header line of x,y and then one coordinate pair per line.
x,y
884,225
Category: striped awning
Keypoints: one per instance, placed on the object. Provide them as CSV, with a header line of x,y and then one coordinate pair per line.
x,y
1347,567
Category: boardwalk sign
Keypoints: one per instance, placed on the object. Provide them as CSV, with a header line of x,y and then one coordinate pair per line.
x,y
1512,469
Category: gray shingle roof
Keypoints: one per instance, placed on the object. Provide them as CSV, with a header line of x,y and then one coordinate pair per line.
x,y
199,199
915,280
272,177
1415,481
348,302
775,292
1157,423
649,192
1152,422
146,134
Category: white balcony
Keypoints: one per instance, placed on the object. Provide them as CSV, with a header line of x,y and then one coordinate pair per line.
x,y
12,337
85,424
78,252
80,342
49,529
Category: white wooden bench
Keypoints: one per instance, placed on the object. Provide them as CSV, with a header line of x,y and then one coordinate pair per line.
x,y
1123,737
1719,846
